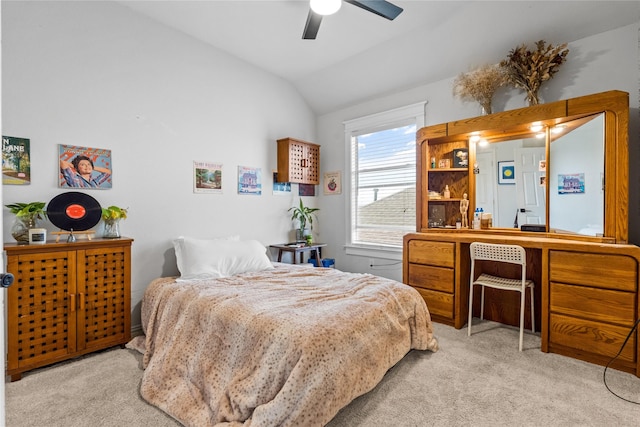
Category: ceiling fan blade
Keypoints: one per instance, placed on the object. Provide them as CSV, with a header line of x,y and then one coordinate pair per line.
x,y
379,7
312,26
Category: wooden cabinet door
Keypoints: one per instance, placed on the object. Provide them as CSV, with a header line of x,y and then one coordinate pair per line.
x,y
298,161
104,316
41,309
311,170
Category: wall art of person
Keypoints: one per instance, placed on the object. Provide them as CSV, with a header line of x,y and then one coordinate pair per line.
x,y
80,172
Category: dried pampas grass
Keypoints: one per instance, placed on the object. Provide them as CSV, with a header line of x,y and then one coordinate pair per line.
x,y
480,85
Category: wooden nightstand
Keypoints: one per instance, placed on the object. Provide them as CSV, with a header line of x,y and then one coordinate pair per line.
x,y
300,248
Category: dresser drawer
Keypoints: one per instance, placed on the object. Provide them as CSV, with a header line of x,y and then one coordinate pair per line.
x,y
595,270
591,337
432,253
601,305
429,277
438,303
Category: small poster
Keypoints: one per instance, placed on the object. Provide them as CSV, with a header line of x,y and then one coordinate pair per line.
x,y
571,183
306,190
207,177
84,167
16,161
249,180
507,173
332,183
280,188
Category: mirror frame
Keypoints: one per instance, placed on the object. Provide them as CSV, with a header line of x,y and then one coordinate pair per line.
x,y
614,105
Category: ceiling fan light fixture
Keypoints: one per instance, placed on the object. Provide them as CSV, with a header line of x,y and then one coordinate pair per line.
x,y
325,7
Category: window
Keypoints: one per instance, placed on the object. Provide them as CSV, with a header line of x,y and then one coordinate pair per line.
x,y
382,177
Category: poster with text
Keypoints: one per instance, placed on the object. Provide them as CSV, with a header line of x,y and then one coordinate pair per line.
x,y
16,161
207,177
84,167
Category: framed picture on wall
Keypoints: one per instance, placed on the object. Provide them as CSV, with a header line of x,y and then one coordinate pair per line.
x,y
249,180
571,183
207,177
332,183
84,167
507,173
16,161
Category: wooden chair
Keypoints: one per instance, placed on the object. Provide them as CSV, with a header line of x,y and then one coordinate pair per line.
x,y
512,254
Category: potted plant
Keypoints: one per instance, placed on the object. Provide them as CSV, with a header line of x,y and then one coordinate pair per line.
x,y
111,217
27,216
304,215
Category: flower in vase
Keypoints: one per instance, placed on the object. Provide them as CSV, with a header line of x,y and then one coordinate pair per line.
x,y
111,217
113,213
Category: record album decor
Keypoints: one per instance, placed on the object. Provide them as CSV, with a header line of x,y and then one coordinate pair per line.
x,y
74,211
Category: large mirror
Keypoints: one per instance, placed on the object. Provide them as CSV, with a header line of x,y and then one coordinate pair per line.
x,y
511,178
576,177
569,177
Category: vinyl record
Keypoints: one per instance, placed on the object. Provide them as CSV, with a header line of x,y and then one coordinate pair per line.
x,y
74,211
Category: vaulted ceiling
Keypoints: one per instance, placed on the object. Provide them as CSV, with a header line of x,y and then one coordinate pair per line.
x,y
358,55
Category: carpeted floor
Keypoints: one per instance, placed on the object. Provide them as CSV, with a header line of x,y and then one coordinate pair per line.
x,y
480,380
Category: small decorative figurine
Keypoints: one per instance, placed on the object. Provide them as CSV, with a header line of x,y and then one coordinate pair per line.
x,y
464,207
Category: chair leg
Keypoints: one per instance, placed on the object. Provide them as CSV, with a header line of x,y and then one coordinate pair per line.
x,y
482,304
470,310
522,307
533,311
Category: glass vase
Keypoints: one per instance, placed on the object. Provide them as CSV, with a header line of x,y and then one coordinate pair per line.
x,y
111,229
532,97
21,226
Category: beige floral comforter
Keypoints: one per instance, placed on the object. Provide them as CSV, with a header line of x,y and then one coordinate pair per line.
x,y
282,347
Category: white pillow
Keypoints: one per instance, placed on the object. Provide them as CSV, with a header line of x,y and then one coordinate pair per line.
x,y
179,247
206,259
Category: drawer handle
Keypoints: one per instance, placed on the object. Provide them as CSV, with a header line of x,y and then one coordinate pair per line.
x,y
72,302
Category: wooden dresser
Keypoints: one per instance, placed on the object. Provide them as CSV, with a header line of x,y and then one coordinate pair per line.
x,y
586,293
68,299
585,271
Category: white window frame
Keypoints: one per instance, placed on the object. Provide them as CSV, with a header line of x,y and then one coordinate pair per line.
x,y
372,123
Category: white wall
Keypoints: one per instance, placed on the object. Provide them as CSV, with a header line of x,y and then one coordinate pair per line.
x,y
95,74
599,63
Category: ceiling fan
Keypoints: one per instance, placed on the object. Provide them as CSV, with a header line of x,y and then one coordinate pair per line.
x,y
320,8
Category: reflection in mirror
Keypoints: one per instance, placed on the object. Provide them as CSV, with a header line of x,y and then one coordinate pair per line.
x,y
510,183
576,178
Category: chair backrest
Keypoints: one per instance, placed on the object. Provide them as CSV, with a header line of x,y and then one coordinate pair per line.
x,y
513,254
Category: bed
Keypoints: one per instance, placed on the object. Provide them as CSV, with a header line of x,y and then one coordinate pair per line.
x,y
270,344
